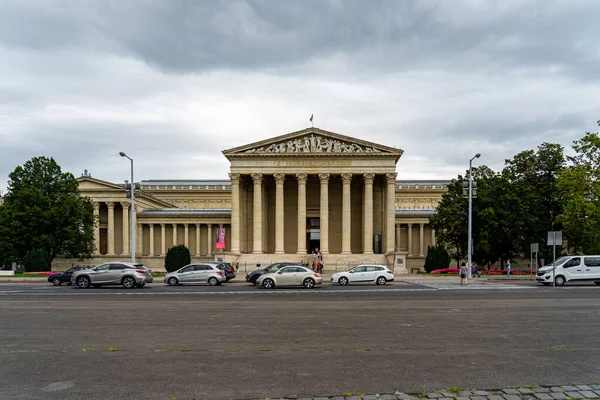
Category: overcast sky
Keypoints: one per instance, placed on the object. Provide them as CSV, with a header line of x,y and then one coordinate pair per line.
x,y
173,83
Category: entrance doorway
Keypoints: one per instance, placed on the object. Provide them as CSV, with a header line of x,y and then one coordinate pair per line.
x,y
313,234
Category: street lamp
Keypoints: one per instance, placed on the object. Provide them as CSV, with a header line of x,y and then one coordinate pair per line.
x,y
470,240
132,246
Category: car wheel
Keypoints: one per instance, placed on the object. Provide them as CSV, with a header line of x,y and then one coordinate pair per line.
x,y
268,284
343,281
128,282
56,282
141,284
381,280
83,282
309,283
173,281
559,280
213,282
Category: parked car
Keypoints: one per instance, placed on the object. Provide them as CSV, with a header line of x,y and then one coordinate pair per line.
x,y
64,276
115,273
197,273
570,268
290,275
228,270
379,274
252,276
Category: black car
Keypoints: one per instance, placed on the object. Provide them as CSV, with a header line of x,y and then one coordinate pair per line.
x,y
252,276
228,270
63,277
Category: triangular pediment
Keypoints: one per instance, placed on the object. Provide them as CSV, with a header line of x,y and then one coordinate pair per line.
x,y
312,141
89,183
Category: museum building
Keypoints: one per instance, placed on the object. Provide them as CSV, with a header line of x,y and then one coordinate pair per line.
x,y
285,197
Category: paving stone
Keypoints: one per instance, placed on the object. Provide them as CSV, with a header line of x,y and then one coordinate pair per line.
x,y
570,388
481,393
511,391
462,398
595,387
322,398
558,395
597,392
541,390
584,387
448,394
338,398
495,397
479,398
446,398
589,394
557,389
434,395
465,393
393,397
352,397
543,396
528,397
575,395
526,391
511,397
368,397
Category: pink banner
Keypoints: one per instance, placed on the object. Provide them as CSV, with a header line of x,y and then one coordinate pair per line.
x,y
220,243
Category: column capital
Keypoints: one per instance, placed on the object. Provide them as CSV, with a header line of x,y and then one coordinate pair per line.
x,y
197,225
110,204
390,177
174,225
422,224
257,178
125,204
151,225
96,206
209,225
302,178
279,178
162,225
186,225
346,177
324,178
235,178
368,178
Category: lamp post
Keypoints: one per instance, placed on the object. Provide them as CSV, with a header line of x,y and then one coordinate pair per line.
x,y
470,240
132,246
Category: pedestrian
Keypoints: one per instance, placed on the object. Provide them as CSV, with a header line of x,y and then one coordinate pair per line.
x,y
237,267
320,255
314,265
318,267
508,267
322,267
464,271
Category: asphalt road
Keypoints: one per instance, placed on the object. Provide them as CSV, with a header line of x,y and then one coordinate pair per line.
x,y
239,342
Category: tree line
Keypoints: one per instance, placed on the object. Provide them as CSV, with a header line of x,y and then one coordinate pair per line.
x,y
536,192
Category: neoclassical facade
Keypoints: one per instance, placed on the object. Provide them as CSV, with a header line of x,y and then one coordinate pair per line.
x,y
285,197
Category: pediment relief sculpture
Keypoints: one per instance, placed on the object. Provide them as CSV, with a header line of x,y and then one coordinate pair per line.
x,y
313,144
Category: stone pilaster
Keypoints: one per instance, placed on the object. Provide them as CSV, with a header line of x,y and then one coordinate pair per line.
x,y
174,235
390,179
410,239
97,228
279,231
421,228
398,237
197,240
432,236
186,239
209,241
139,240
111,228
368,214
126,205
257,222
163,240
324,179
346,213
235,213
301,213
151,239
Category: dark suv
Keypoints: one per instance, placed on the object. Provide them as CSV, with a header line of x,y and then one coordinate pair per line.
x,y
252,276
228,270
65,276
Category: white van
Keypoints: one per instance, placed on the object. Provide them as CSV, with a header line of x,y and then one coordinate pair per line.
x,y
571,269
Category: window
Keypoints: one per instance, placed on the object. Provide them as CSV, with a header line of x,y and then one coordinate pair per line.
x,y
288,270
592,261
372,269
360,269
203,268
103,267
187,269
116,266
573,262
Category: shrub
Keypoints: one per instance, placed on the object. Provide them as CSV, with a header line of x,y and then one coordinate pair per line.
x,y
36,260
177,257
437,258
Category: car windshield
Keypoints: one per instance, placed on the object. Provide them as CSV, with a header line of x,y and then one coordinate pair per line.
x,y
558,262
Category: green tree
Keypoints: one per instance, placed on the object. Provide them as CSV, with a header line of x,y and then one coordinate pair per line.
x,y
437,258
580,186
177,257
35,260
44,210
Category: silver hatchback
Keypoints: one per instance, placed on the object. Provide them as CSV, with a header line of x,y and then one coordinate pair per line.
x,y
116,273
197,273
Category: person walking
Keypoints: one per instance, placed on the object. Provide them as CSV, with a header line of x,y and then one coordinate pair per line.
x,y
464,273
508,267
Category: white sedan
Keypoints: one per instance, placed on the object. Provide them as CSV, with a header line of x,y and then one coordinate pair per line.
x,y
379,274
290,275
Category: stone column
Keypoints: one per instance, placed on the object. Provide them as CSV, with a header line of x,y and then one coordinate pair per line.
x,y
398,237
432,236
421,226
346,214
97,228
390,179
235,213
279,215
151,239
209,240
186,239
324,178
197,239
368,214
163,240
139,240
409,239
111,227
126,205
301,213
174,235
257,222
